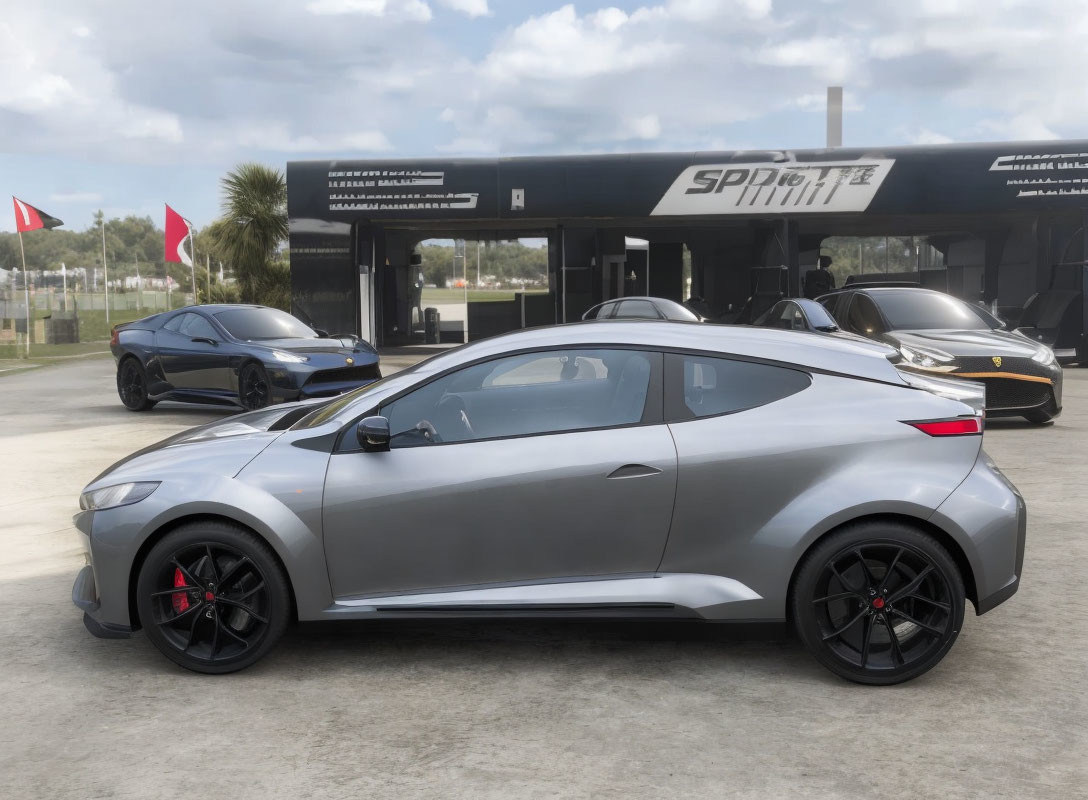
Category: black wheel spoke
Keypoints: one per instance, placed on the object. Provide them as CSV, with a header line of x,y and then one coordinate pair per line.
x,y
891,569
866,638
842,580
923,625
243,606
910,587
192,632
847,626
866,573
190,610
250,592
226,629
175,590
831,598
211,561
897,651
224,582
215,637
930,600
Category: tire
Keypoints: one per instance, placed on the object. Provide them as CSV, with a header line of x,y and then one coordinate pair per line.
x,y
861,617
233,605
132,385
254,390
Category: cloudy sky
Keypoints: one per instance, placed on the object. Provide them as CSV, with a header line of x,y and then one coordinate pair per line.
x,y
126,104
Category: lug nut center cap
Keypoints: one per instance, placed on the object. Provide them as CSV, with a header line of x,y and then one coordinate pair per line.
x,y
209,597
878,602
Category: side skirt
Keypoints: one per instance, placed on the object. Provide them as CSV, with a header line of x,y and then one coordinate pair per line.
x,y
685,595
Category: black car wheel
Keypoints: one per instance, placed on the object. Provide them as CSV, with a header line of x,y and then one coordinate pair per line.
x,y
132,385
212,597
254,390
878,602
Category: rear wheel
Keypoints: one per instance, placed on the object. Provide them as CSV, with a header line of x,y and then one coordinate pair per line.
x,y
878,602
212,597
132,385
254,390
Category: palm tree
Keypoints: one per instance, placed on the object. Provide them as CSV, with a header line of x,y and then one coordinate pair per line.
x,y
253,226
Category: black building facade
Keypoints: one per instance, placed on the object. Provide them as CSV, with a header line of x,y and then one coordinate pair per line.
x,y
1004,216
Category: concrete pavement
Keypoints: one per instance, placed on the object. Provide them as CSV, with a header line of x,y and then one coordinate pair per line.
x,y
525,710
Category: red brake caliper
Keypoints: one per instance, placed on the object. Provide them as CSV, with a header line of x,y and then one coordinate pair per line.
x,y
179,599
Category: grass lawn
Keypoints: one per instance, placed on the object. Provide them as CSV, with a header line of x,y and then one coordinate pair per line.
x,y
41,354
433,297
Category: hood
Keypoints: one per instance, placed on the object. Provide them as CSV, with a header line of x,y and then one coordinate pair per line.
x,y
968,343
343,346
221,447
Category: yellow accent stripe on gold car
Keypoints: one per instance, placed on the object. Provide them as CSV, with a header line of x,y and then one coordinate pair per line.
x,y
1013,375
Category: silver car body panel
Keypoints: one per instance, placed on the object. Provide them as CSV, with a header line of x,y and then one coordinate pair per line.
x,y
734,500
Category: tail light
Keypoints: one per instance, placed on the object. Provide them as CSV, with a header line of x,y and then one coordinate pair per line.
x,y
115,337
957,426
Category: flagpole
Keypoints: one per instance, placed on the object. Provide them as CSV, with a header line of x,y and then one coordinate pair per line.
x,y
137,259
208,266
26,293
105,271
192,264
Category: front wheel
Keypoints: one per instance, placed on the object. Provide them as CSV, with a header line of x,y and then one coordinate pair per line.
x,y
254,391
878,602
212,597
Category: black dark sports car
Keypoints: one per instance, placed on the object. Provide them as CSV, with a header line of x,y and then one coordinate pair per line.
x,y
248,356
936,333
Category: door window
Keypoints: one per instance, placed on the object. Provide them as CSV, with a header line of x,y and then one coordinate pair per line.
x,y
532,393
196,326
174,324
703,386
637,309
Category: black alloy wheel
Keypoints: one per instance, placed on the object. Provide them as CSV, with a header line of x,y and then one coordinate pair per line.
x,y
253,388
878,602
212,597
132,385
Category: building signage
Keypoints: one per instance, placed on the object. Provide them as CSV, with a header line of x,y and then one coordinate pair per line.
x,y
787,187
1045,175
394,190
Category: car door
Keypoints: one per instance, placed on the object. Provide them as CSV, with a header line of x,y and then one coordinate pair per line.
x,y
192,354
537,467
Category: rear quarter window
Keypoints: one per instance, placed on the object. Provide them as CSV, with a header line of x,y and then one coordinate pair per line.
x,y
706,386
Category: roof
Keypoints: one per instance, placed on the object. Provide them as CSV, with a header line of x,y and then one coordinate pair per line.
x,y
817,351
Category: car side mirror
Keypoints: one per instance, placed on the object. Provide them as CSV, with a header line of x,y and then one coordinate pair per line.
x,y
321,333
373,434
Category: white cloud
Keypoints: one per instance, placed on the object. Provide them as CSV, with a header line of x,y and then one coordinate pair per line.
x,y
415,10
276,136
473,8
926,136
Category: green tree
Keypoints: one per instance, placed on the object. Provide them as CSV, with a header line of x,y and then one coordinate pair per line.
x,y
251,231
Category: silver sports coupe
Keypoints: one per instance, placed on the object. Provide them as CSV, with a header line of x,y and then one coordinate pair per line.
x,y
606,469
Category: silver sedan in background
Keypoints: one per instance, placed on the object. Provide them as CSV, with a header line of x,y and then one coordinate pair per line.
x,y
607,469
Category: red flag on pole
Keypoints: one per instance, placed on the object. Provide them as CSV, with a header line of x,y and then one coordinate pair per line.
x,y
28,218
177,231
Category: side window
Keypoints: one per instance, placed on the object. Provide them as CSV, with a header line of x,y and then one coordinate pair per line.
x,y
789,317
195,325
637,309
703,386
863,317
175,323
833,303
527,394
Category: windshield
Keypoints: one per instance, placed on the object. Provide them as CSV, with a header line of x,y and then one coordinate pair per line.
x,y
911,309
250,324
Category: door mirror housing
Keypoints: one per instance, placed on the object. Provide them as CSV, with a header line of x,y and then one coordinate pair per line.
x,y
373,434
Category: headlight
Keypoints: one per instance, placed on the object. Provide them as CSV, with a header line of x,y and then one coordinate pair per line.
x,y
288,358
1044,356
929,359
123,494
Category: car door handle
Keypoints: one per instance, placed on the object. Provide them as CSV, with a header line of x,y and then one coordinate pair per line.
x,y
634,471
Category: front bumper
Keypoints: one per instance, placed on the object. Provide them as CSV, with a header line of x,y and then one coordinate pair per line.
x,y
101,621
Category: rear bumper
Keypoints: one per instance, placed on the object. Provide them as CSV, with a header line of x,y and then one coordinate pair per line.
x,y
987,517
